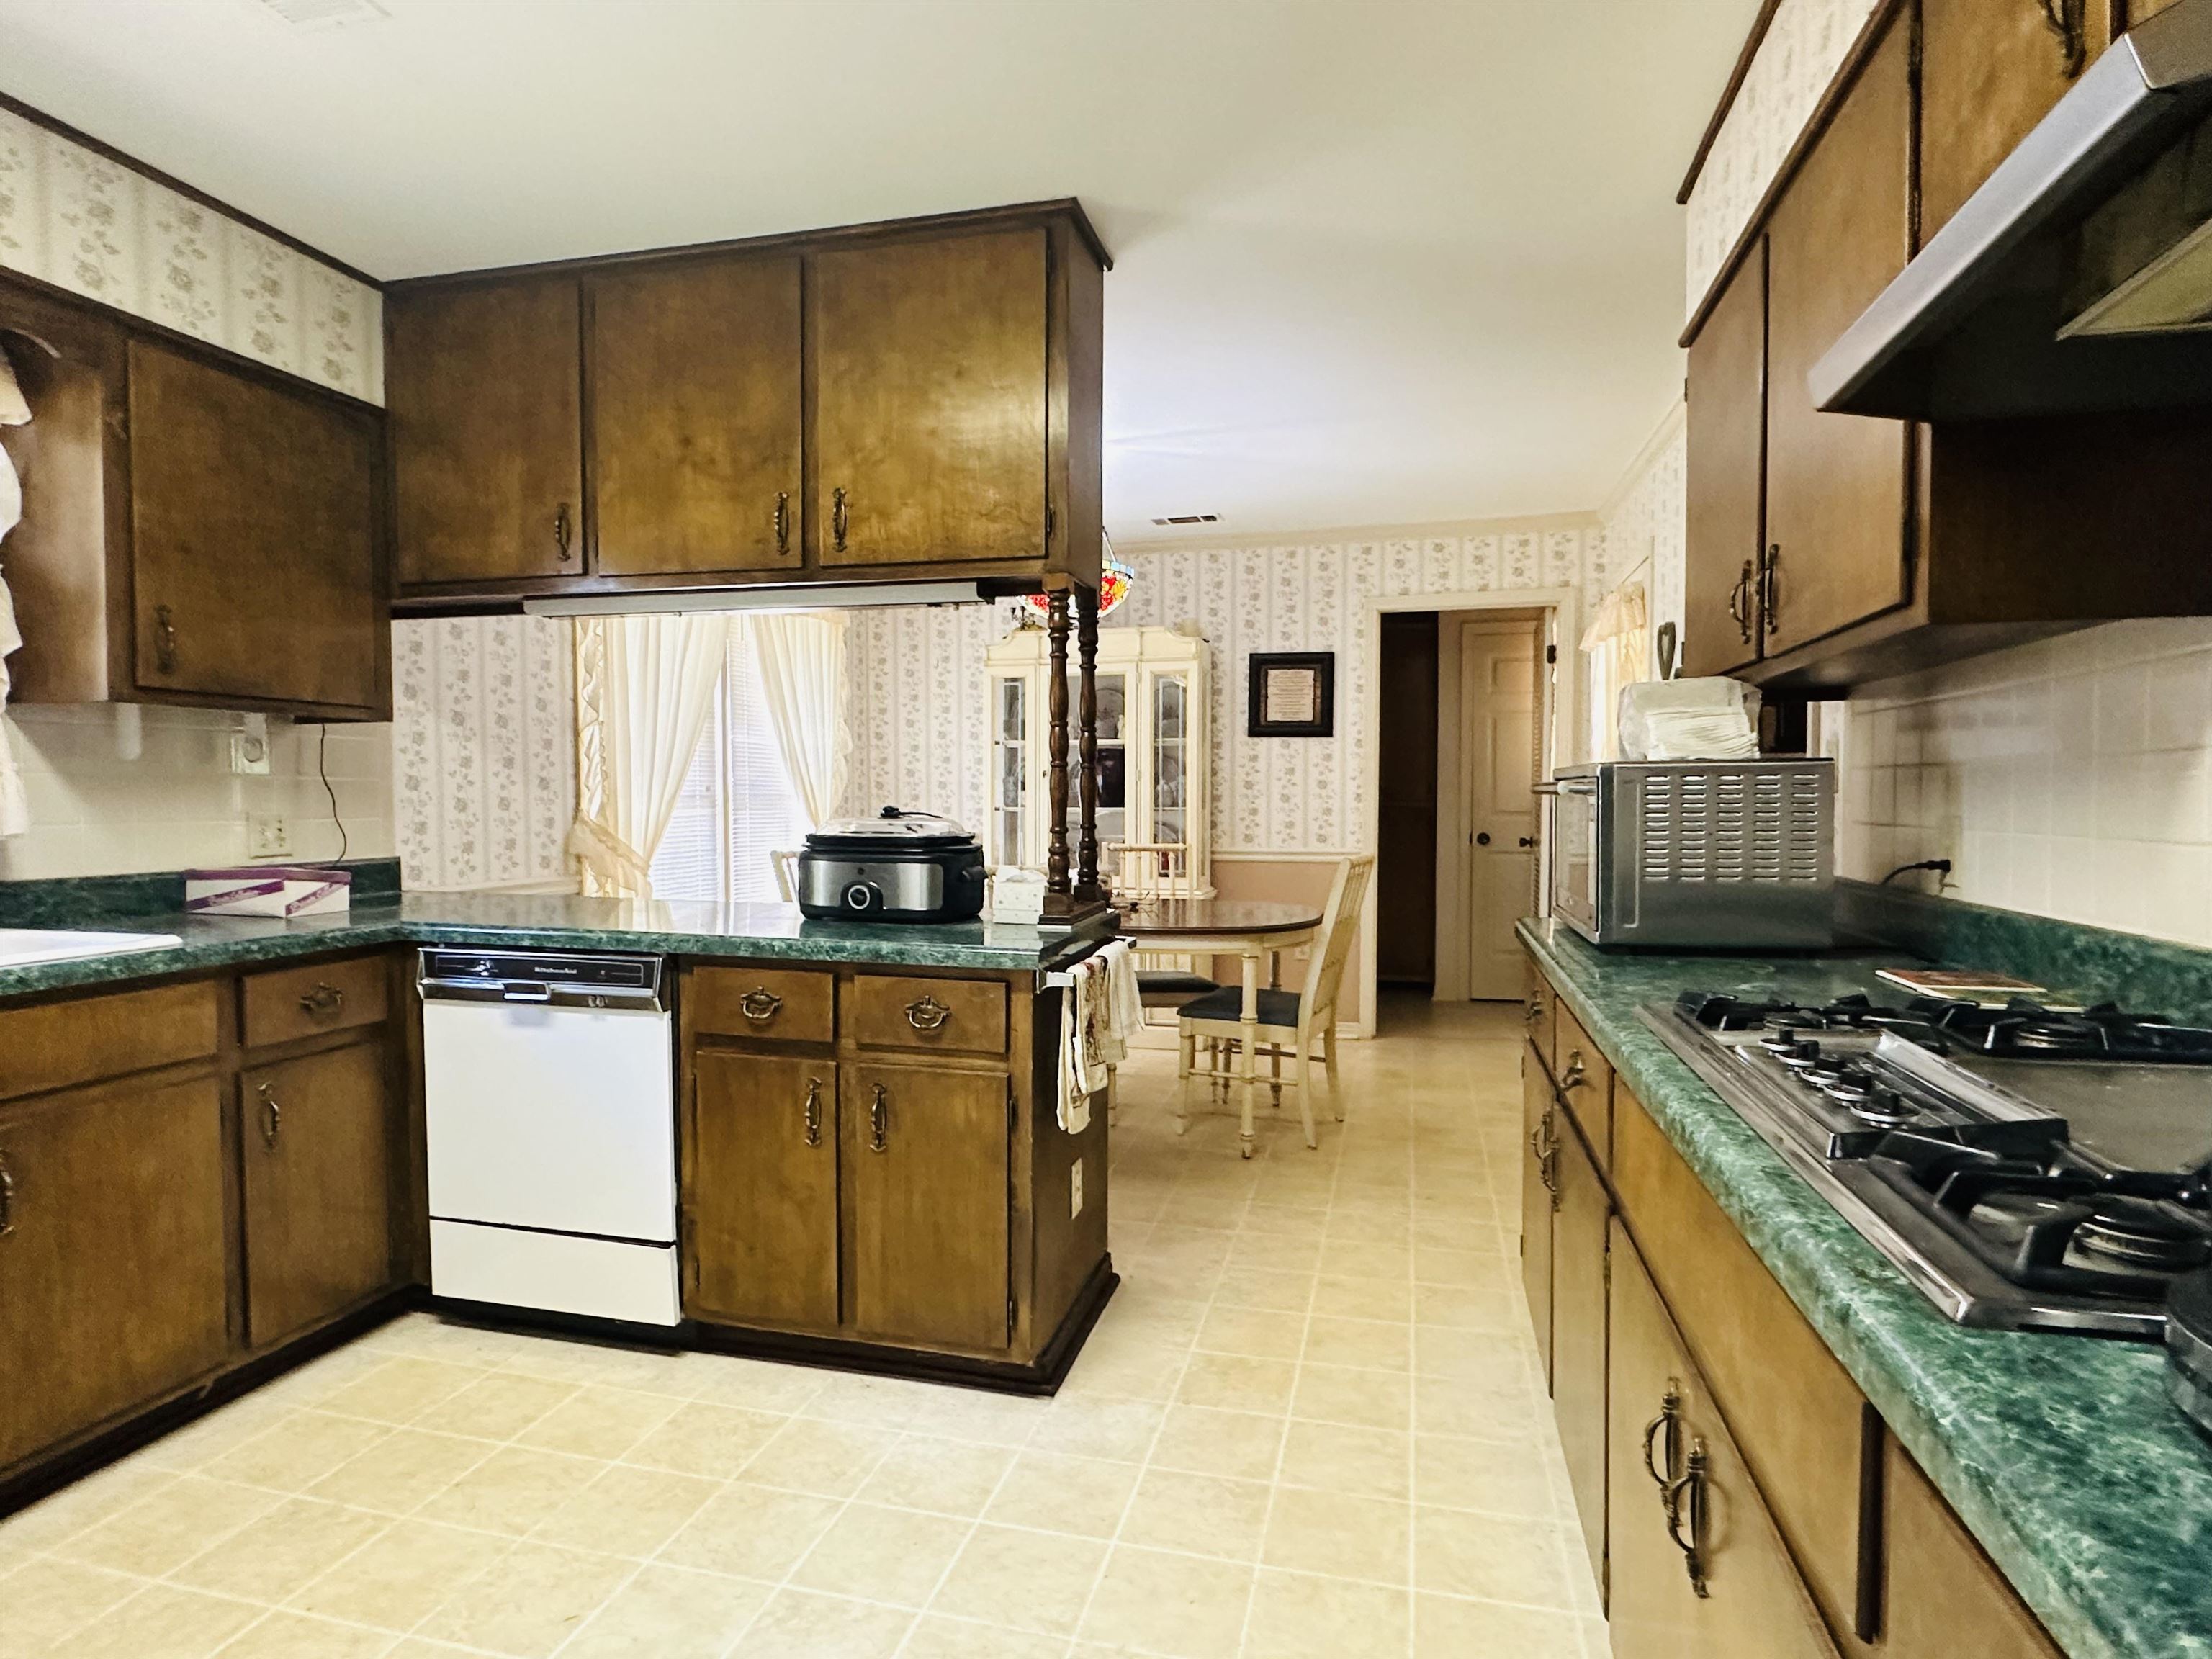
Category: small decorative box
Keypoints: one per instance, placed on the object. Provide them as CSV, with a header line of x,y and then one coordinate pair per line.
x,y
1018,895
268,889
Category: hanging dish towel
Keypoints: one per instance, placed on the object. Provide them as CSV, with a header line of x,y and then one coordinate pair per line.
x,y
1101,1010
14,810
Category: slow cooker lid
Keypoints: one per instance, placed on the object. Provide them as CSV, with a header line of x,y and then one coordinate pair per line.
x,y
891,831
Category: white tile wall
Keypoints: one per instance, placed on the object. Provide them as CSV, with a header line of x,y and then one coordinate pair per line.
x,y
178,804
2071,778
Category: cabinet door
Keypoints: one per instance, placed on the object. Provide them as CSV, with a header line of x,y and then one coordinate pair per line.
x,y
1539,1126
253,523
316,1142
930,400
1836,484
762,1171
1698,1569
1942,1598
1578,1334
926,1194
114,1279
1990,69
695,417
1727,476
484,389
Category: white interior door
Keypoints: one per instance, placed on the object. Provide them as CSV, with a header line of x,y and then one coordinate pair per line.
x,y
1498,723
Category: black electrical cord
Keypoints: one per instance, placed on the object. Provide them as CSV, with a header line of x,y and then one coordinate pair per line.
x,y
322,768
1941,866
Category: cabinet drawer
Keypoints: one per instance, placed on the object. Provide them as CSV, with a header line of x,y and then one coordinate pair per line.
x,y
783,1005
952,1016
1585,1080
293,1003
62,1043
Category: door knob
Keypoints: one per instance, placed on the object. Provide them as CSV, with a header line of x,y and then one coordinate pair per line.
x,y
1482,838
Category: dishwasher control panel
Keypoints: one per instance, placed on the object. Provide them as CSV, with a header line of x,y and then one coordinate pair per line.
x,y
564,976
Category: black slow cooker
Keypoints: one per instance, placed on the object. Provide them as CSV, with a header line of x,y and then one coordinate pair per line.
x,y
895,866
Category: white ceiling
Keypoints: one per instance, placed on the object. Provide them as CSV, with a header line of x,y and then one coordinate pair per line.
x,y
1375,263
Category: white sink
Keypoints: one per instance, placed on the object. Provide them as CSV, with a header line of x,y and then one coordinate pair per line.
x,y
19,947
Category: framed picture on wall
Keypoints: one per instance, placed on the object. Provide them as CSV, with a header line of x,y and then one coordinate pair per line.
x,y
1292,693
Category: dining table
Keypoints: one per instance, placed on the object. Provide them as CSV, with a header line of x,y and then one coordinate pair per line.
x,y
1252,930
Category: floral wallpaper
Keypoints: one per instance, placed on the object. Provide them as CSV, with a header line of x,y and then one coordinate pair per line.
x,y
1804,46
104,230
920,706
1646,522
483,749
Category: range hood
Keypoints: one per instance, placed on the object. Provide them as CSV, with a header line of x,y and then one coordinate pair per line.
x,y
2079,276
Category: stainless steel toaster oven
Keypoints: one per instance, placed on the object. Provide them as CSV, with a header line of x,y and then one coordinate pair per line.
x,y
1697,854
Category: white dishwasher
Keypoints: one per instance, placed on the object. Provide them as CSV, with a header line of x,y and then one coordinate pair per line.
x,y
550,1107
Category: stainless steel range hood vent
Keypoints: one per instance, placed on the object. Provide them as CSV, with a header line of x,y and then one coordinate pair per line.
x,y
2079,276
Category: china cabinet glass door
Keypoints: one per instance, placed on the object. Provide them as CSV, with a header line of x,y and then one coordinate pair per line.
x,y
1113,760
1010,759
1171,758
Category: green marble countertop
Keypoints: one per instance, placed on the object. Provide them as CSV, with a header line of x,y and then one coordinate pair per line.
x,y
544,922
2061,1454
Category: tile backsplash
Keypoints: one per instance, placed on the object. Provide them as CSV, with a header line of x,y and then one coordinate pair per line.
x,y
2071,778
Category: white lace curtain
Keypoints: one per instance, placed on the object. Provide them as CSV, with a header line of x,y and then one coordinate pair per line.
x,y
645,688
1618,642
802,669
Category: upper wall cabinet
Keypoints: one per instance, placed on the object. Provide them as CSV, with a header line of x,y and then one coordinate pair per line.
x,y
1825,551
197,530
903,402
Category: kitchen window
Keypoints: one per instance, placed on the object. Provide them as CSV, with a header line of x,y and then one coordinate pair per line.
x,y
738,807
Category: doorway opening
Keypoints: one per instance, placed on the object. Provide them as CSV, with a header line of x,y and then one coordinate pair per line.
x,y
1406,843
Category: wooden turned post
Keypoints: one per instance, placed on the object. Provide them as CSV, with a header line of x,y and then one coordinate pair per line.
x,y
1087,886
1056,885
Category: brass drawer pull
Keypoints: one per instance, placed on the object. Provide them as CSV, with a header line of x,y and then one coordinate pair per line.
x,y
814,1111
1543,1143
560,532
783,521
2063,19
1532,1013
840,519
7,1197
1574,1076
165,639
1685,1504
323,1000
272,1117
927,1014
1670,1421
760,1007
880,1121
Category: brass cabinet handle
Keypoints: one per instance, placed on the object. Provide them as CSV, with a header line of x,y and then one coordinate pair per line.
x,y
323,1000
1740,603
2063,19
1544,1145
560,532
783,521
926,1014
272,1117
760,1006
1532,1013
814,1111
7,1197
840,519
880,1121
1770,597
165,639
1683,1501
1669,1420
1574,1076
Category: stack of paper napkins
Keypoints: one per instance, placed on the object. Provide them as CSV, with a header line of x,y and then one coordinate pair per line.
x,y
1689,719
268,889
1018,896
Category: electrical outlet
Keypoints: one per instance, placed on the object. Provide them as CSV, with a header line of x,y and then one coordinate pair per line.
x,y
249,754
1075,1190
268,837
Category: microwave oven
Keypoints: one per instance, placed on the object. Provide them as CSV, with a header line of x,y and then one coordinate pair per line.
x,y
1697,854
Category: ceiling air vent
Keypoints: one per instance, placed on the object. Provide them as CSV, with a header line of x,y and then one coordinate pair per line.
x,y
1190,518
327,14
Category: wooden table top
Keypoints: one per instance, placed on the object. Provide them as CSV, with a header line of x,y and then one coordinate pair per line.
x,y
1169,918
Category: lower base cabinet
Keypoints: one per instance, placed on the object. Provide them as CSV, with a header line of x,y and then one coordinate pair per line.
x,y
763,1246
1699,1571
1538,1127
316,1147
1580,1268
1943,1598
114,1246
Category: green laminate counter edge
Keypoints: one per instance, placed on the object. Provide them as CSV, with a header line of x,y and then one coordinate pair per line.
x,y
553,922
2062,1455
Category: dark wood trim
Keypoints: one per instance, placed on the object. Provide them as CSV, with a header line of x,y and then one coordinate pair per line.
x,y
1846,76
1086,727
998,577
61,129
1057,885
1744,58
803,242
1874,1439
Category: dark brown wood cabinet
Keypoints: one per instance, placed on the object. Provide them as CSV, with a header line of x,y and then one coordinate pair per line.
x,y
695,398
1540,1131
1580,1268
197,529
114,1252
315,1141
930,416
1838,504
763,1155
927,1195
1727,477
1698,1569
482,384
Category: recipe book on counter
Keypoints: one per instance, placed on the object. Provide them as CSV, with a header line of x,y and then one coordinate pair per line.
x,y
1963,985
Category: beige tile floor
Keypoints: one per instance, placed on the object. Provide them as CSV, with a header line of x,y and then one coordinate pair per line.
x,y
1309,1425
